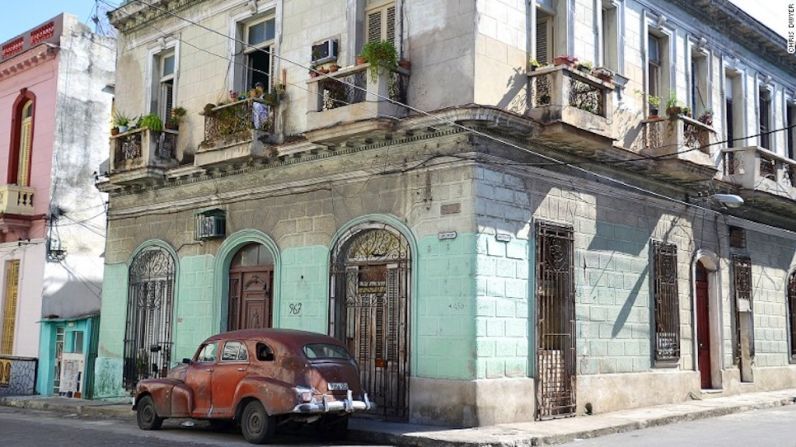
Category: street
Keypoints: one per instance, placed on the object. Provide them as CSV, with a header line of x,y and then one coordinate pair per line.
x,y
771,427
29,428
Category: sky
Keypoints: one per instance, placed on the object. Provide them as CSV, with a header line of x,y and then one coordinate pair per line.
x,y
21,15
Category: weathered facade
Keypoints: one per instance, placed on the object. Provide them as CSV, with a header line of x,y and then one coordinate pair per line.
x,y
515,231
53,135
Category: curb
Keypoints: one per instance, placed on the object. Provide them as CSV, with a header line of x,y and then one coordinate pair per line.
x,y
418,440
110,410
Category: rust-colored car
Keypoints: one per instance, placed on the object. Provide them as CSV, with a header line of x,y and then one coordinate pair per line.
x,y
259,378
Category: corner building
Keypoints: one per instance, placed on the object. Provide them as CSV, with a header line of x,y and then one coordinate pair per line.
x,y
527,241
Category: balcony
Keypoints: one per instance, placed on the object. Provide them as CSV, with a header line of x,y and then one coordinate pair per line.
x,y
16,200
142,155
575,107
683,145
236,131
338,110
764,175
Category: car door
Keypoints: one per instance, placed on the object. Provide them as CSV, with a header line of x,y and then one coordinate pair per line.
x,y
228,372
199,378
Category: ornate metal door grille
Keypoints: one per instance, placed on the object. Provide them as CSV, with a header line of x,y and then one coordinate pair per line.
x,y
555,317
147,344
742,283
792,312
667,307
369,308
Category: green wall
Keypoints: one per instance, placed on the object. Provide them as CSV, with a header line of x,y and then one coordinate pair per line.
x,y
108,368
194,306
303,300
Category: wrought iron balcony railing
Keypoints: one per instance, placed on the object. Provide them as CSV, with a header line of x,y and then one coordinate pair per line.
x,y
143,150
759,169
233,123
352,94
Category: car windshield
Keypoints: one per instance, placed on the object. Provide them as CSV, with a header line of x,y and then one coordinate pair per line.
x,y
325,351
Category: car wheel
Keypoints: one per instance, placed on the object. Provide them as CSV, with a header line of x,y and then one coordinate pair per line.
x,y
333,428
146,415
256,425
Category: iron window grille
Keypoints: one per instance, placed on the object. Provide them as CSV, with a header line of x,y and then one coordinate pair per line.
x,y
667,304
742,285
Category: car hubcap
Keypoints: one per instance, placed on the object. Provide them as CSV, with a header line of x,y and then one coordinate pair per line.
x,y
255,423
147,414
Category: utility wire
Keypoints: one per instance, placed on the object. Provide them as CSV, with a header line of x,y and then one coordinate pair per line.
x,y
549,159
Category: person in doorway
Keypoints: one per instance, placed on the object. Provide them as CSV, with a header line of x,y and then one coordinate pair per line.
x,y
259,110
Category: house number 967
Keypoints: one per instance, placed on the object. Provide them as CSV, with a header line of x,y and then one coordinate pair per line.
x,y
295,308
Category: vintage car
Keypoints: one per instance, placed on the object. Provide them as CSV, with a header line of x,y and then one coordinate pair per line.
x,y
258,378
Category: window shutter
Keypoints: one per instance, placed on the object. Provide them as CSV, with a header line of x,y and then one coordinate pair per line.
x,y
541,42
390,25
374,26
24,151
166,100
10,310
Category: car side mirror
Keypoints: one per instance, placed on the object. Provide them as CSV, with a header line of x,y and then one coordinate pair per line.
x,y
187,361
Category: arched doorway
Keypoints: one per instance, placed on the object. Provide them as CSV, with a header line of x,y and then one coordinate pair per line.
x,y
369,311
150,299
250,292
703,326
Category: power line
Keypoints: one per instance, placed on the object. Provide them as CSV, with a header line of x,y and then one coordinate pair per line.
x,y
550,159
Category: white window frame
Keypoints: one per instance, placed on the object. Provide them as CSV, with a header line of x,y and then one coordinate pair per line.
x,y
163,79
614,45
666,40
156,54
383,6
699,57
772,141
250,49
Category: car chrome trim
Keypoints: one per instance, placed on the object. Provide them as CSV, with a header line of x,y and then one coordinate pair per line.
x,y
348,405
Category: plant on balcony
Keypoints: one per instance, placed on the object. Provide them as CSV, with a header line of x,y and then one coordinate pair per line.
x,y
151,122
706,118
534,64
673,107
584,66
380,55
121,121
603,74
654,104
406,64
177,115
565,60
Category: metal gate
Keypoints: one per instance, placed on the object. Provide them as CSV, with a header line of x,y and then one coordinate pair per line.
x,y
555,322
369,311
147,344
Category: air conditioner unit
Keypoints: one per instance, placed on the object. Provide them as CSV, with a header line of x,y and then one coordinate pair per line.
x,y
325,51
211,225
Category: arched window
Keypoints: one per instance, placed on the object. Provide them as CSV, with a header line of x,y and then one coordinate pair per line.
x,y
21,139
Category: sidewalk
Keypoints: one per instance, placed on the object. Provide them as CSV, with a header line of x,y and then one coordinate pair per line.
x,y
508,435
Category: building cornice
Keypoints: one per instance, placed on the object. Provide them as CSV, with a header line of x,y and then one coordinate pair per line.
x,y
28,60
135,15
732,21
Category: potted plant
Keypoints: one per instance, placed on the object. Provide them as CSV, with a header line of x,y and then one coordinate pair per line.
x,y
208,108
177,115
603,74
121,121
673,107
534,64
333,67
406,64
686,111
565,60
706,118
233,95
314,72
380,55
654,104
584,66
151,122
361,60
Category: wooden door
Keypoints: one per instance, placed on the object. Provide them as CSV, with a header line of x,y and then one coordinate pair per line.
x,y
250,297
703,327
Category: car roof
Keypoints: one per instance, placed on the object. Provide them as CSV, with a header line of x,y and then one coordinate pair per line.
x,y
290,338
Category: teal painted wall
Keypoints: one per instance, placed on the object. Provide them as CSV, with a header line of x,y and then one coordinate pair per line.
x,y
304,303
108,367
444,324
45,375
502,307
194,312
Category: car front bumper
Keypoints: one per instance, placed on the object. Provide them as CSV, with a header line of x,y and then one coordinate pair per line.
x,y
348,405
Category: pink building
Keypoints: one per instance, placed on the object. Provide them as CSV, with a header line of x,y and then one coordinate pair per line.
x,y
54,112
